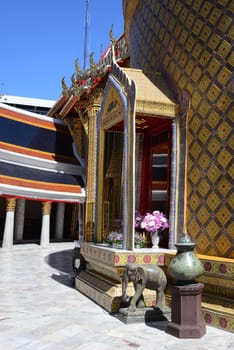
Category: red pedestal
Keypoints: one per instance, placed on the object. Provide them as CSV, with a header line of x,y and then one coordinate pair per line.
x,y
186,320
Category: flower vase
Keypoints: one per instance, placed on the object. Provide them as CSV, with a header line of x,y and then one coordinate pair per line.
x,y
154,239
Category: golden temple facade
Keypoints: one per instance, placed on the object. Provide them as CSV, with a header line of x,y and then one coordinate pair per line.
x,y
191,43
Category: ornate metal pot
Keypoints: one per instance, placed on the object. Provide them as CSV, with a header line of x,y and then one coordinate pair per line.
x,y
185,267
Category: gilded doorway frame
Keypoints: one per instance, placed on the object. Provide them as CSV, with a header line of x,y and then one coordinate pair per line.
x,y
118,104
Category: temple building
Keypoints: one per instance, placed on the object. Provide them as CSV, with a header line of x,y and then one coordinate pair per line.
x,y
41,180
152,128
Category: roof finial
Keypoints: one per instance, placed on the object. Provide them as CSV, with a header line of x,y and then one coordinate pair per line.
x,y
113,41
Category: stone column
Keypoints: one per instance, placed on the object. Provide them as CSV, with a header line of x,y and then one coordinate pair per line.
x,y
59,221
81,222
19,219
8,233
45,227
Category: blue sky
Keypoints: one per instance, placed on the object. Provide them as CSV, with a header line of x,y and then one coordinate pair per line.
x,y
40,40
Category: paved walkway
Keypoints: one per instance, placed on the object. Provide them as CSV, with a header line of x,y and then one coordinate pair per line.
x,y
39,309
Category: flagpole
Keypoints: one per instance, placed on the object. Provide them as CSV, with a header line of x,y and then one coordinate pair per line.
x,y
86,35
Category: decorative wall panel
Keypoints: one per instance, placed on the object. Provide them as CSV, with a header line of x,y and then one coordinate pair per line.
x,y
192,42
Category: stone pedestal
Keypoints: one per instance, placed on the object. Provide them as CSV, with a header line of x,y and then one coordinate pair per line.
x,y
144,315
186,318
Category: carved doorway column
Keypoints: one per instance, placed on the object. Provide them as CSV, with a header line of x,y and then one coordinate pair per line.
x,y
93,109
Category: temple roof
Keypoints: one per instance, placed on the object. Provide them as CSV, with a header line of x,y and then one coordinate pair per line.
x,y
21,181
150,98
83,83
37,159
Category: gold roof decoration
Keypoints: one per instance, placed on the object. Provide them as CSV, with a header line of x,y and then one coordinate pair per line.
x,y
150,99
84,81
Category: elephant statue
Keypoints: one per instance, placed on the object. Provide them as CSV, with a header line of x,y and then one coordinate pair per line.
x,y
143,276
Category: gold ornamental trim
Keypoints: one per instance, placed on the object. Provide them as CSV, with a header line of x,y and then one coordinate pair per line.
x,y
113,110
46,208
10,204
155,108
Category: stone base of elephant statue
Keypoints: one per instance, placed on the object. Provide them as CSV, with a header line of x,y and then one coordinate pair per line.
x,y
145,315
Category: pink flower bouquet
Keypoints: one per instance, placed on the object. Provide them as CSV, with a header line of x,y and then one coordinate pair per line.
x,y
155,221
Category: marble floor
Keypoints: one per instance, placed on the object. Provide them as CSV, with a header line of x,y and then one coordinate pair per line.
x,y
39,309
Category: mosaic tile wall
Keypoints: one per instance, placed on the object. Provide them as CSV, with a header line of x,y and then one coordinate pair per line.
x,y
192,41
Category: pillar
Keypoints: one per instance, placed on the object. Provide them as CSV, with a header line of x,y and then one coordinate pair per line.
x,y
93,108
8,233
173,189
186,318
59,225
45,227
19,219
81,221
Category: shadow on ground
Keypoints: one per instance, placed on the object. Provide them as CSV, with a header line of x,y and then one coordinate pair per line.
x,y
63,262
